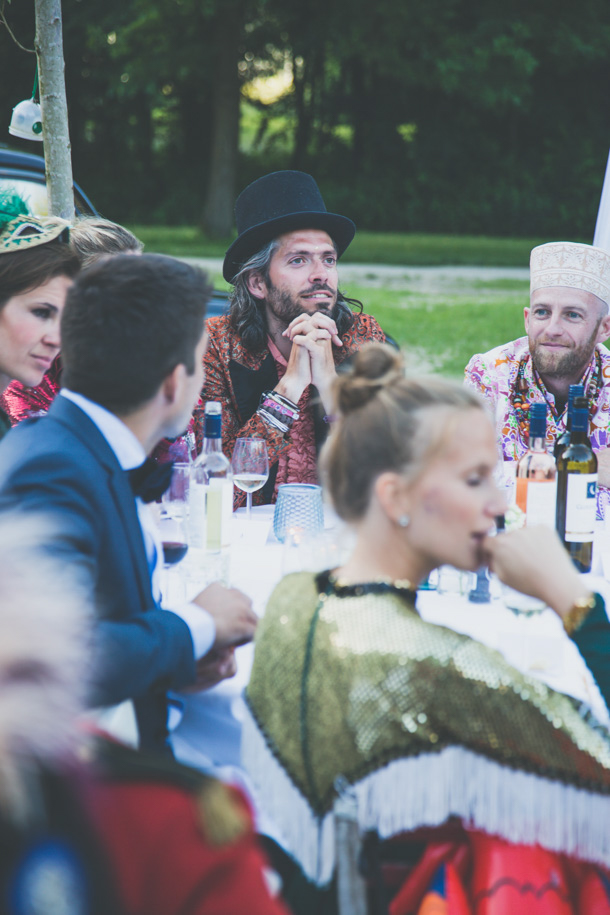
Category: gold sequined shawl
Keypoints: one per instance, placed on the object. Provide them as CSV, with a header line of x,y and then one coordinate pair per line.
x,y
350,685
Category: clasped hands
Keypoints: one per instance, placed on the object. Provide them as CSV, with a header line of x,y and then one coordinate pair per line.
x,y
311,358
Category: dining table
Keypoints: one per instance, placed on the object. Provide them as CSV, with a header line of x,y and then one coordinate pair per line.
x,y
206,731
206,726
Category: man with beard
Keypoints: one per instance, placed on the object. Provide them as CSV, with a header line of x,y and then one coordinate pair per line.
x,y
566,322
272,359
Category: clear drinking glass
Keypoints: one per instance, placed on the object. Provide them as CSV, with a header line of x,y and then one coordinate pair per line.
x,y
174,541
298,508
173,528
453,581
175,499
250,466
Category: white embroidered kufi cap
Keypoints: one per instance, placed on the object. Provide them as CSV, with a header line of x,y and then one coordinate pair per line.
x,y
567,263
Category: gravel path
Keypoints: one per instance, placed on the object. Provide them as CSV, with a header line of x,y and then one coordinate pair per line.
x,y
417,279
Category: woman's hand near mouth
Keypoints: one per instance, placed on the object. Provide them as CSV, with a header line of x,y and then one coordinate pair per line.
x,y
533,560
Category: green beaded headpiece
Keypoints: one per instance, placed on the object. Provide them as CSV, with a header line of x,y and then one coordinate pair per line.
x,y
19,231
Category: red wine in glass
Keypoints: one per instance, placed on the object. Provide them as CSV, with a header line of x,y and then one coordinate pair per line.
x,y
173,552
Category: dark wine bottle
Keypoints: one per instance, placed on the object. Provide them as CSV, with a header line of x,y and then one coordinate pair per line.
x,y
563,440
577,490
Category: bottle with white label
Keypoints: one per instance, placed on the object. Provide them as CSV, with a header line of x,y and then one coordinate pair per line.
x,y
536,489
211,493
577,490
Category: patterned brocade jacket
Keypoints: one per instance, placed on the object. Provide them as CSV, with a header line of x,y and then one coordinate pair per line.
x,y
496,375
237,377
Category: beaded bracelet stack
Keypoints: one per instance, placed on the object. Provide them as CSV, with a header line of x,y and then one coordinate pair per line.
x,y
278,411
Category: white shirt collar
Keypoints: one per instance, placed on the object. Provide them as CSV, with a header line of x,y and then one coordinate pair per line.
x,y
127,449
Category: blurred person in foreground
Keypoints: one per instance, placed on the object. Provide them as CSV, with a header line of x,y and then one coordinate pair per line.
x,y
133,345
566,323
87,826
36,269
272,359
351,691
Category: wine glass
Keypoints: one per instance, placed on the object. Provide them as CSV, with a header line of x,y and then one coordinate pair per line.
x,y
250,466
175,499
174,541
173,523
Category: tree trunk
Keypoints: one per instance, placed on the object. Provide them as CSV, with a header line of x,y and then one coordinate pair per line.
x,y
56,136
218,209
303,114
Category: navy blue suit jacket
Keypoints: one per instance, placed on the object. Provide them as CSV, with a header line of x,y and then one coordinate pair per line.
x,y
61,465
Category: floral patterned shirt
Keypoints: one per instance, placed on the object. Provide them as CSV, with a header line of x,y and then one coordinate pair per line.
x,y
494,374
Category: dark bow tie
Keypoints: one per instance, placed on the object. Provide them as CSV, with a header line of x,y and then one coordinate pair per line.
x,y
150,480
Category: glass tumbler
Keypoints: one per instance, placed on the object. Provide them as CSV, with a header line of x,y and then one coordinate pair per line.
x,y
298,510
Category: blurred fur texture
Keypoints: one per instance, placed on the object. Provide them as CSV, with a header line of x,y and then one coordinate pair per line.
x,y
44,626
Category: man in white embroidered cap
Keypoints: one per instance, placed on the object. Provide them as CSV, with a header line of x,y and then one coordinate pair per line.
x,y
566,322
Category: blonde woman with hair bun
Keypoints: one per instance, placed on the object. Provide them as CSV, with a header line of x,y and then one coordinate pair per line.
x,y
92,237
432,734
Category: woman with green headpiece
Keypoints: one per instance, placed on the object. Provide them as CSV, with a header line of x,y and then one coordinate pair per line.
x,y
91,238
36,269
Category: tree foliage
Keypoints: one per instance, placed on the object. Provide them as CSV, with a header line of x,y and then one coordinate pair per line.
x,y
450,115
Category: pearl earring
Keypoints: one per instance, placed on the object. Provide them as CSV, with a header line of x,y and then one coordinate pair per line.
x,y
404,521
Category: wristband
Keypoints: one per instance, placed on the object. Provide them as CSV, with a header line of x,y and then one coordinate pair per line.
x,y
272,420
278,407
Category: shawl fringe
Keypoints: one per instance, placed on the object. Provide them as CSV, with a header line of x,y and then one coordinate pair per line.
x,y
424,791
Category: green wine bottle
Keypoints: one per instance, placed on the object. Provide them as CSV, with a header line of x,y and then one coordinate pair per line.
x,y
577,490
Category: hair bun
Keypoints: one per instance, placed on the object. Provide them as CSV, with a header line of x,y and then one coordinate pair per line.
x,y
373,368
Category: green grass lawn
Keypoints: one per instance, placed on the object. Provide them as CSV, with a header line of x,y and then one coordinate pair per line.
x,y
439,334
179,241
439,250
367,247
438,331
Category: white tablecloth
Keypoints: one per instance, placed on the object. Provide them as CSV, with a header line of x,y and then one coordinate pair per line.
x,y
209,733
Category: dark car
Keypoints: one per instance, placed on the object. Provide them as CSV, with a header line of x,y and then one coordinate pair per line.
x,y
23,173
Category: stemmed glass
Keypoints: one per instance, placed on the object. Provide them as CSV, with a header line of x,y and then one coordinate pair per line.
x,y
173,540
175,499
250,466
173,523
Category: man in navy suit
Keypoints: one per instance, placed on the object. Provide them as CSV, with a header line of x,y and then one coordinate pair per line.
x,y
133,341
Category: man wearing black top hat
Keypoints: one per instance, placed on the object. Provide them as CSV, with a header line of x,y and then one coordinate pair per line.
x,y
272,360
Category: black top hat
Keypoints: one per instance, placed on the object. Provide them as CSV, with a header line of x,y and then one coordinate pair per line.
x,y
278,203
